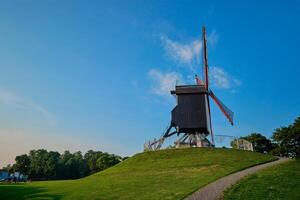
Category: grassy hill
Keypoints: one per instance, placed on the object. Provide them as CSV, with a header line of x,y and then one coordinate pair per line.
x,y
165,174
278,182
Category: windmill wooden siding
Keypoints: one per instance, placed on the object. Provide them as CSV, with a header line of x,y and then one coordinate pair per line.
x,y
191,111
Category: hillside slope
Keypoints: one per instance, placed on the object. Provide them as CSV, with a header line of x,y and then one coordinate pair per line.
x,y
277,182
165,174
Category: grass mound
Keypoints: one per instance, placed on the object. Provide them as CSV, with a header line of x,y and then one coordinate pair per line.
x,y
278,182
165,174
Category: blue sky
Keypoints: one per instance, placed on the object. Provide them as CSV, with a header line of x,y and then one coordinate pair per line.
x,y
84,75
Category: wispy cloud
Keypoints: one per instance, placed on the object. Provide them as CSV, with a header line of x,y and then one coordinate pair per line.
x,y
183,53
163,82
12,99
188,54
220,79
212,38
237,82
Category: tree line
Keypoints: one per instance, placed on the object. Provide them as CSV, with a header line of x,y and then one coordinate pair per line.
x,y
285,141
41,164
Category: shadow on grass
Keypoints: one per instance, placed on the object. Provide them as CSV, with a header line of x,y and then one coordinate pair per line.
x,y
19,192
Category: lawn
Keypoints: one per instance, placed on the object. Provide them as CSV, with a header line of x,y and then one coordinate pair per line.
x,y
278,182
165,174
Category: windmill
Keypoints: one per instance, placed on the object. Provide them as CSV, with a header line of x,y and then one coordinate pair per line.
x,y
191,117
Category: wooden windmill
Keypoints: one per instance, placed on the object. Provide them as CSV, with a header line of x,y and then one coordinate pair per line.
x,y
191,117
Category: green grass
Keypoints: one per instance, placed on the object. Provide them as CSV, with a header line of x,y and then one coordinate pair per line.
x,y
166,174
278,182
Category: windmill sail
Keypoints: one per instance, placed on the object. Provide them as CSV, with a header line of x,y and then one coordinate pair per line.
x,y
205,61
205,76
199,81
226,111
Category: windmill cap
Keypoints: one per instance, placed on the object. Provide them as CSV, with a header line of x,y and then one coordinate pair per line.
x,y
189,89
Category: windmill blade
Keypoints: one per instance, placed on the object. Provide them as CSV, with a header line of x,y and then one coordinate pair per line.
x,y
210,124
226,111
198,80
204,58
205,76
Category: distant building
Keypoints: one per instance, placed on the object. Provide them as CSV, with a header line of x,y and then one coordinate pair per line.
x,y
244,144
4,175
18,177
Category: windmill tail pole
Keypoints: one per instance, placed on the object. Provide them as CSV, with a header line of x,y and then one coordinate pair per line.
x,y
205,61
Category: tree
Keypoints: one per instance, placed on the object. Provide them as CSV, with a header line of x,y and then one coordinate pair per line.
x,y
260,143
37,164
288,139
51,165
107,160
81,165
73,166
65,165
43,165
22,164
91,157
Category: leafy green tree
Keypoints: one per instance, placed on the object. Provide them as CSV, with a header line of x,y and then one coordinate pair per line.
x,y
107,160
51,165
43,165
22,164
288,140
260,143
37,164
65,165
73,165
91,157
81,165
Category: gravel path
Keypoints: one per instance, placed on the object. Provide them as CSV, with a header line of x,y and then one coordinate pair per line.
x,y
214,190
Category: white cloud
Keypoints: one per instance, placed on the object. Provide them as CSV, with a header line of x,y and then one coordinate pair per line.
x,y
213,38
164,82
25,104
221,80
188,53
